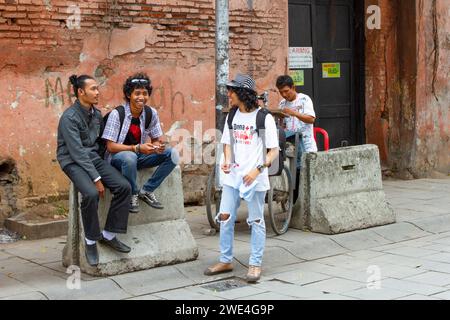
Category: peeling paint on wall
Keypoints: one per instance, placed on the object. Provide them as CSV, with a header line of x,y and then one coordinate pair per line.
x,y
15,104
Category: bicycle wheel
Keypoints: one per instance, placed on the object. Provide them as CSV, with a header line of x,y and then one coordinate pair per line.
x,y
213,196
279,201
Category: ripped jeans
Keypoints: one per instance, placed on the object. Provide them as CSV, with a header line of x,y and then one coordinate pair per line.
x,y
229,205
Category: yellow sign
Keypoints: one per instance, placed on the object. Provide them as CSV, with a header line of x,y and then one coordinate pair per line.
x,y
299,77
331,70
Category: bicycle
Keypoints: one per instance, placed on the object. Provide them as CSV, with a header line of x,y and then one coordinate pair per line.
x,y
279,198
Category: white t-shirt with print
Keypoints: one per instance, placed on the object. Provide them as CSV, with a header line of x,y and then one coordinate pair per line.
x,y
302,104
248,147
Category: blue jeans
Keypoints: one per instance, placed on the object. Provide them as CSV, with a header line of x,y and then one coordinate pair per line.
x,y
129,163
229,205
300,148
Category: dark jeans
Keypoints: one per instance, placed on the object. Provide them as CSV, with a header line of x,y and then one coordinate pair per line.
x,y
117,220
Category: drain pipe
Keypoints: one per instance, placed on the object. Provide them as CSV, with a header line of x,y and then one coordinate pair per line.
x,y
222,60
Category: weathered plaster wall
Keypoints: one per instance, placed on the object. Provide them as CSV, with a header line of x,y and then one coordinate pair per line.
x,y
407,87
173,41
432,134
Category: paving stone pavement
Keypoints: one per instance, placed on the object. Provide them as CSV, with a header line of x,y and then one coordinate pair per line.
x,y
408,260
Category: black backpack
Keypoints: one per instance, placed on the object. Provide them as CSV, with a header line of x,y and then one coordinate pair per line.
x,y
274,170
121,111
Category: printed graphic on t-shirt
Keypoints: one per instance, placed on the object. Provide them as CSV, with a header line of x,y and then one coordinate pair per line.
x,y
243,134
134,133
248,148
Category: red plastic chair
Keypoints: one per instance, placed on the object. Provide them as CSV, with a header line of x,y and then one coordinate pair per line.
x,y
326,138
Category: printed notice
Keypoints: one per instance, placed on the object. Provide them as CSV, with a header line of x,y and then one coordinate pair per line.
x,y
331,70
298,76
300,57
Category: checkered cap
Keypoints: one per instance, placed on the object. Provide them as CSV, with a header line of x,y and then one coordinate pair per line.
x,y
243,81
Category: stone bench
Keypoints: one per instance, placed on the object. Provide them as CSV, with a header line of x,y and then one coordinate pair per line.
x,y
341,190
157,237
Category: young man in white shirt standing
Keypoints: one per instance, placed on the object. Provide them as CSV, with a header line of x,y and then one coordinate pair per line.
x,y
301,113
246,174
301,119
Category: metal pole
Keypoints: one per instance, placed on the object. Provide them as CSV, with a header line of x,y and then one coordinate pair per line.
x,y
222,60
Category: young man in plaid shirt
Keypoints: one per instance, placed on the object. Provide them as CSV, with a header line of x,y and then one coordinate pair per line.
x,y
132,146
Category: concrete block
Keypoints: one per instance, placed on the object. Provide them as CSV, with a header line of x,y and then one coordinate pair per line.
x,y
157,237
341,190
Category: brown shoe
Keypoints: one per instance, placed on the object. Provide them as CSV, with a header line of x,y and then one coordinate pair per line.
x,y
218,268
254,273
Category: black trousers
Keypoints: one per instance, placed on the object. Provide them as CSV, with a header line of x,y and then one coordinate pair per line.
x,y
117,220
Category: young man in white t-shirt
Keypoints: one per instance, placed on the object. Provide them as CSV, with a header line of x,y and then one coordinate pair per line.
x,y
301,113
246,175
301,118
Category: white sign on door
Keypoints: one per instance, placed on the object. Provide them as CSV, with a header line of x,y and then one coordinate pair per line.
x,y
300,58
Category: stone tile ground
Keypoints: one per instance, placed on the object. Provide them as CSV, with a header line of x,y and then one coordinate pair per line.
x,y
411,258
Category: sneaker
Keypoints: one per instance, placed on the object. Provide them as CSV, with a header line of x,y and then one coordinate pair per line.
x,y
134,204
254,273
150,199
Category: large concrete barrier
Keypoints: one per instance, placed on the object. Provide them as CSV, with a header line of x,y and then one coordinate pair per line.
x,y
341,190
157,237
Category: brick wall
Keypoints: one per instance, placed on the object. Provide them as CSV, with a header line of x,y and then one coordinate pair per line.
x,y
179,26
173,41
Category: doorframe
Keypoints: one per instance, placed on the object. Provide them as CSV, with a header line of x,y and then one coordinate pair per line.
x,y
360,69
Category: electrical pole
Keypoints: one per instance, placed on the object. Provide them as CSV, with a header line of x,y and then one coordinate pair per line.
x,y
222,60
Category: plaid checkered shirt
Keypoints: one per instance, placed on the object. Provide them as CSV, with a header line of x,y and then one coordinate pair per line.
x,y
111,131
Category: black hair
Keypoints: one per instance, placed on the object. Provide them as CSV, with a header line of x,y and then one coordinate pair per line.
x,y
248,97
133,83
79,82
284,81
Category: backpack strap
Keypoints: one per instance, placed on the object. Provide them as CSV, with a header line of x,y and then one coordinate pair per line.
x,y
121,111
261,119
261,125
148,116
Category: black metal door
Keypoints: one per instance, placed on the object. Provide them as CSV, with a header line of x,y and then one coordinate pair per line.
x,y
330,28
